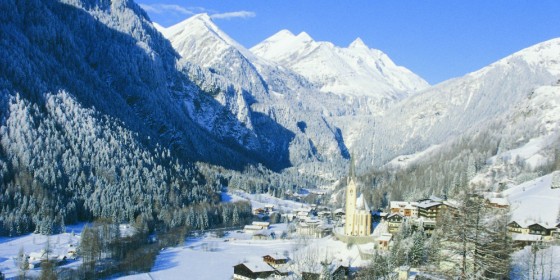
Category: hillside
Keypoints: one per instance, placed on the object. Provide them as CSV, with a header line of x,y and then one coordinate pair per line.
x,y
96,118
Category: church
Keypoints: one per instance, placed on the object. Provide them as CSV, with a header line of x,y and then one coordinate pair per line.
x,y
358,215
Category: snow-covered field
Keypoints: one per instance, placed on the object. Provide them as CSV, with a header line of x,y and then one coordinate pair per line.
x,y
210,257
213,258
60,245
535,201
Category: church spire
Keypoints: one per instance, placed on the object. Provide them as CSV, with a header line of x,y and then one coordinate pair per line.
x,y
352,171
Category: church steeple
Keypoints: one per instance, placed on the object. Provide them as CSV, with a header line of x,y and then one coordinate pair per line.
x,y
352,171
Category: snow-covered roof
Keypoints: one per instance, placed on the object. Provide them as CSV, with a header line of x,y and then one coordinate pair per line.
x,y
403,204
385,237
361,203
498,201
521,223
451,203
261,224
277,256
252,227
547,226
127,230
428,204
395,214
318,269
258,266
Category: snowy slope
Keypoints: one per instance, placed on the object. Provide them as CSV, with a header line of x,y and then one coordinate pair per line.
x,y
535,201
455,106
355,71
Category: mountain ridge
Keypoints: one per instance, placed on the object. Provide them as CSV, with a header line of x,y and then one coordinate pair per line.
x,y
373,73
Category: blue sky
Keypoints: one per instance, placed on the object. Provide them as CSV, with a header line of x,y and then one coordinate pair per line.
x,y
437,40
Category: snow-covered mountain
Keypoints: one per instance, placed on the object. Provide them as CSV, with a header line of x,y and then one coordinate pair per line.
x,y
354,71
264,88
96,118
456,106
123,111
298,82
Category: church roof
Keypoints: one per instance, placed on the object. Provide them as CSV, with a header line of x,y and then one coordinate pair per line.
x,y
361,203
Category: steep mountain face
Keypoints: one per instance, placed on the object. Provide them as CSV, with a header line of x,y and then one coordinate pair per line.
x,y
259,87
116,61
96,118
353,71
492,128
455,106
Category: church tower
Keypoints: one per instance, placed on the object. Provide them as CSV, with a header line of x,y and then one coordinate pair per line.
x,y
350,199
358,215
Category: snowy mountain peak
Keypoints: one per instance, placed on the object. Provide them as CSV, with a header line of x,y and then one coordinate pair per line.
x,y
354,71
304,37
200,40
358,44
282,35
203,17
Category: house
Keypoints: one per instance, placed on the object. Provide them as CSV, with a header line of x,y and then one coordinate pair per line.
x,y
324,214
261,235
498,202
308,227
394,222
336,271
263,225
323,230
427,224
251,229
275,260
259,211
384,241
252,270
407,209
429,210
288,216
383,216
269,207
518,228
556,232
539,229
339,214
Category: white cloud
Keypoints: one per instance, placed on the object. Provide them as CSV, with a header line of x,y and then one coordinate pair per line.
x,y
230,15
166,8
180,10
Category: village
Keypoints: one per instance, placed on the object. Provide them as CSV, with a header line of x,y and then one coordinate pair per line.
x,y
370,230
308,241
